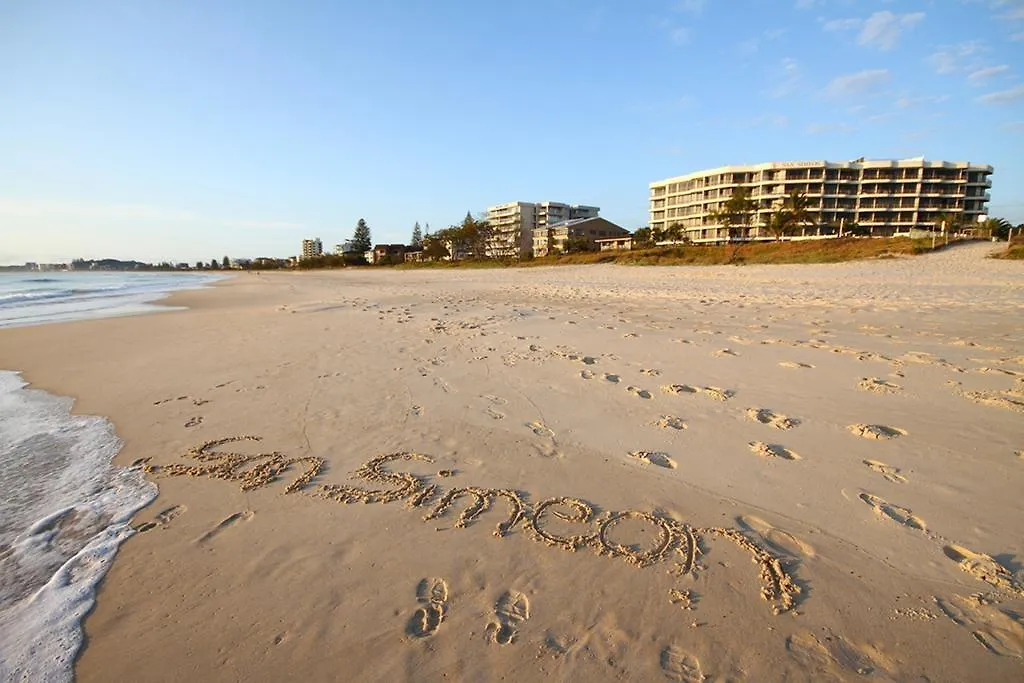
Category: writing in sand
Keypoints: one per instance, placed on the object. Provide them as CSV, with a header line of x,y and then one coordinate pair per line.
x,y
674,539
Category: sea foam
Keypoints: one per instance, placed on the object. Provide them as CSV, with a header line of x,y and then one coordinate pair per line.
x,y
64,510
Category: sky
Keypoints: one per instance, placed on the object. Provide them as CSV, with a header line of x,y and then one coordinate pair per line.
x,y
186,130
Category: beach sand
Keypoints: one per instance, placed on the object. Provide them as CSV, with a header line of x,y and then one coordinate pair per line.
x,y
725,473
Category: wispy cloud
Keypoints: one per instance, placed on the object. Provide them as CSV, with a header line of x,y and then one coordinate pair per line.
x,y
857,83
691,6
749,48
786,79
824,128
881,30
959,58
11,207
842,24
1017,37
1003,96
981,75
1013,125
680,35
908,102
808,4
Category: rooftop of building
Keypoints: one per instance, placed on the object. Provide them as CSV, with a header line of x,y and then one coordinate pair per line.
x,y
861,163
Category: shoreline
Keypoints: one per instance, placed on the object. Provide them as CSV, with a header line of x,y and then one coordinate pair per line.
x,y
345,366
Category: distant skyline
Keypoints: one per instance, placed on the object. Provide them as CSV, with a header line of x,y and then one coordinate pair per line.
x,y
184,131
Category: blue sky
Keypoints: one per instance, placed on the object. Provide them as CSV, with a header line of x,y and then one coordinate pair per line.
x,y
189,130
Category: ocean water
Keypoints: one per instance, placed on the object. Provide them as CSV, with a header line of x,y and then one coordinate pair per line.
x,y
32,298
64,510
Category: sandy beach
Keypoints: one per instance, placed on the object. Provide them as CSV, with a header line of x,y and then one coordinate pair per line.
x,y
764,473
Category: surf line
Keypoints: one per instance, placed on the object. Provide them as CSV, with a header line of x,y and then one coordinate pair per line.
x,y
675,539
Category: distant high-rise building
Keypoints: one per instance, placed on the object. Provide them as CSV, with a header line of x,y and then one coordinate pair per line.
x,y
312,248
514,224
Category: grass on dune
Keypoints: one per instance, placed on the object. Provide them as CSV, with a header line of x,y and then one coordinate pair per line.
x,y
805,251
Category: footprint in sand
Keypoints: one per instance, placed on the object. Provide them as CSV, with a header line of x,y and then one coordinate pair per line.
x,y
167,515
654,458
162,519
638,392
650,372
718,394
494,414
772,450
781,541
678,389
888,471
769,417
432,594
876,432
224,524
587,374
496,400
669,422
983,567
1000,632
614,379
540,429
878,386
679,666
416,411
896,513
834,654
725,352
511,610
795,365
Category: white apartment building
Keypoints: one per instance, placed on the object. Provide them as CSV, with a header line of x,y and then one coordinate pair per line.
x,y
312,248
514,224
881,196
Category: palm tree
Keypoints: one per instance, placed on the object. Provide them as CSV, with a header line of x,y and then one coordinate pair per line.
x,y
946,221
796,206
779,223
735,211
997,227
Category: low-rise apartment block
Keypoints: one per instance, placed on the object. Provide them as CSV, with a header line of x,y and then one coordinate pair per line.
x,y
513,224
579,233
880,196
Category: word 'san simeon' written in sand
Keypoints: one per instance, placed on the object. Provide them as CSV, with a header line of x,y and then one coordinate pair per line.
x,y
547,521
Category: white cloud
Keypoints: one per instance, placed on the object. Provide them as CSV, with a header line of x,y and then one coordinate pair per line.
x,y
691,6
857,83
1017,37
981,75
882,29
1003,96
808,4
71,210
